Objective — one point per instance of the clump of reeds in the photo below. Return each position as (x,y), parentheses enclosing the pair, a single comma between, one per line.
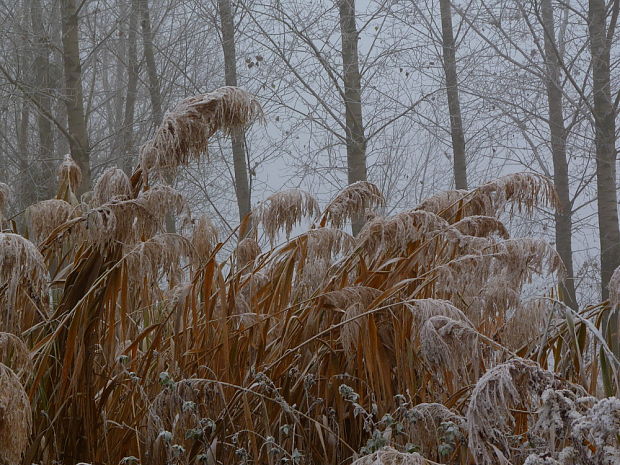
(400,346)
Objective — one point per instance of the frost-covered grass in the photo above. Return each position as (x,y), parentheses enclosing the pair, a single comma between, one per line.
(412,343)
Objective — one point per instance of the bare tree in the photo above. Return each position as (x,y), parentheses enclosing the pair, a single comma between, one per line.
(563,217)
(605,138)
(149,57)
(355,138)
(132,89)
(242,185)
(80,149)
(452,90)
(42,87)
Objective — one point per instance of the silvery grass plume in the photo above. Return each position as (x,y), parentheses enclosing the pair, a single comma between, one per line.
(353,301)
(516,384)
(113,184)
(326,243)
(342,298)
(247,251)
(185,131)
(69,178)
(45,216)
(447,204)
(392,235)
(204,237)
(21,267)
(390,456)
(16,417)
(161,200)
(160,255)
(522,191)
(123,222)
(352,201)
(523,324)
(15,355)
(118,223)
(493,276)
(423,309)
(283,210)
(451,346)
(481,226)
(316,250)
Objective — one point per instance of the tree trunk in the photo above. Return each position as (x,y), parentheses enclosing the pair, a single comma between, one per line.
(242,185)
(132,87)
(42,94)
(76,119)
(452,89)
(605,142)
(25,192)
(563,217)
(355,138)
(149,57)
(154,85)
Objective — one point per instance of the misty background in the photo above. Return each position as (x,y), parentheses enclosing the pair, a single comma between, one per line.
(351,90)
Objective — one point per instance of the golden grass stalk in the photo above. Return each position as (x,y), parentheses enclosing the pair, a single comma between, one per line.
(264,340)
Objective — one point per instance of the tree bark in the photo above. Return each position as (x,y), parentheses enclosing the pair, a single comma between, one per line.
(355,138)
(154,85)
(79,146)
(563,217)
(43,86)
(242,185)
(132,87)
(26,192)
(149,57)
(452,89)
(605,128)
